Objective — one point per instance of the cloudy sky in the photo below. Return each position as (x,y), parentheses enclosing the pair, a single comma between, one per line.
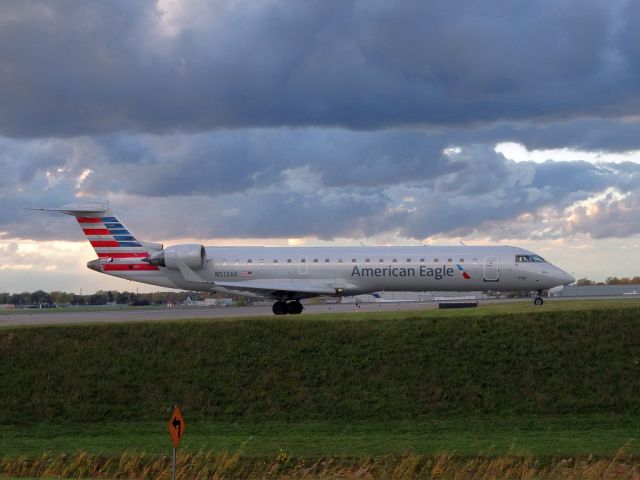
(320,122)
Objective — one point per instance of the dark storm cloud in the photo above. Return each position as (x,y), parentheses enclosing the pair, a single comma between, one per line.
(589,134)
(367,118)
(279,183)
(82,67)
(227,162)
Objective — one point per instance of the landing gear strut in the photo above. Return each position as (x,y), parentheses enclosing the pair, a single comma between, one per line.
(282,308)
(538,300)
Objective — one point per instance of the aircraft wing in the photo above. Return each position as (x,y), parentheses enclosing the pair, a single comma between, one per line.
(291,289)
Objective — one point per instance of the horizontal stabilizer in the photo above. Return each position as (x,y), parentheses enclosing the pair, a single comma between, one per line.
(78,209)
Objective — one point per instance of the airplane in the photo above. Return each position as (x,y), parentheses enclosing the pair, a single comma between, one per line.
(287,275)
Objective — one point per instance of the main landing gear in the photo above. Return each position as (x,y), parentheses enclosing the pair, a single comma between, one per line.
(538,300)
(282,308)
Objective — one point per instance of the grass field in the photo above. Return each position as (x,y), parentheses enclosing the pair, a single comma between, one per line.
(504,381)
(538,436)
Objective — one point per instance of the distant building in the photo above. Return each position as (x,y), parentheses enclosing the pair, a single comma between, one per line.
(596,291)
(209,302)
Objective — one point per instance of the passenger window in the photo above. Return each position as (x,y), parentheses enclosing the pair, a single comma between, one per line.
(353,260)
(366,260)
(340,260)
(275,260)
(435,260)
(262,261)
(475,260)
(422,260)
(303,260)
(326,260)
(288,260)
(449,260)
(315,260)
(461,260)
(395,260)
(408,260)
(249,261)
(381,260)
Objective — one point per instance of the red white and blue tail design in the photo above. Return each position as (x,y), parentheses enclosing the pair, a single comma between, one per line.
(117,248)
(119,252)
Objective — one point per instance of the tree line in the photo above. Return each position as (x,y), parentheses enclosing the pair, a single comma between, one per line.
(610,281)
(101,297)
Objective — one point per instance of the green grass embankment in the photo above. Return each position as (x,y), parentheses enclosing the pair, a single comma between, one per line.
(543,381)
(301,369)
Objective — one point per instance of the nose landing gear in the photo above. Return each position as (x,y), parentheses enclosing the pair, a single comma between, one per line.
(538,300)
(282,308)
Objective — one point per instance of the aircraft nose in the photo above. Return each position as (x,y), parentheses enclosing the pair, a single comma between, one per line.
(566,278)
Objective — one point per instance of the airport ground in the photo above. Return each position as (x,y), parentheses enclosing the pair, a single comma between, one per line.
(124,313)
(399,392)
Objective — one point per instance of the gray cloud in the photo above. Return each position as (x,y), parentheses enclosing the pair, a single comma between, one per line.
(324,118)
(261,183)
(85,67)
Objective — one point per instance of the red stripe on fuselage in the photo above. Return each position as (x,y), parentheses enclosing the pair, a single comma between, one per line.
(104,243)
(124,255)
(121,267)
(96,231)
(88,220)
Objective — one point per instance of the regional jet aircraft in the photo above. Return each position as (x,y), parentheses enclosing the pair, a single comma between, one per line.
(289,274)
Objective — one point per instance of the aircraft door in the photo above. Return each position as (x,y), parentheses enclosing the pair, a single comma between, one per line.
(302,265)
(491,273)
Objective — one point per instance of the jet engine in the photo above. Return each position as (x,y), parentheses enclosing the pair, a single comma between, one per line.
(192,255)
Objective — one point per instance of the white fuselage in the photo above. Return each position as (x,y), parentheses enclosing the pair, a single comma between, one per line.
(357,270)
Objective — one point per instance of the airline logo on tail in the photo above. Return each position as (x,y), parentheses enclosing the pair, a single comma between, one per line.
(112,240)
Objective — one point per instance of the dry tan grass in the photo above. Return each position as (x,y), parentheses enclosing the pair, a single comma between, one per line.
(223,465)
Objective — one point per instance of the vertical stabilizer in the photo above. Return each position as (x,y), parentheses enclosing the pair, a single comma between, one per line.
(118,249)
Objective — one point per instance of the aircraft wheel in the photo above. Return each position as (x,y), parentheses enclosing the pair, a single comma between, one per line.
(538,301)
(280,308)
(295,307)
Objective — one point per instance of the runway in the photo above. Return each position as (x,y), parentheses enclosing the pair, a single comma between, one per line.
(118,314)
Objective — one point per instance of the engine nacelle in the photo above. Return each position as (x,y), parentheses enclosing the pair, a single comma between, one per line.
(192,255)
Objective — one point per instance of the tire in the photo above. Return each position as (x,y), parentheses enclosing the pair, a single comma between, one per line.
(295,307)
(538,301)
(280,308)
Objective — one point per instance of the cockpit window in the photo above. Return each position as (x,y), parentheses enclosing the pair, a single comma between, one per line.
(529,258)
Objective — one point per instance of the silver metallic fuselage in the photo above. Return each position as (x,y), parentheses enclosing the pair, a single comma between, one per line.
(357,270)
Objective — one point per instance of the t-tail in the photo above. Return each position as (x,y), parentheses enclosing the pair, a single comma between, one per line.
(119,251)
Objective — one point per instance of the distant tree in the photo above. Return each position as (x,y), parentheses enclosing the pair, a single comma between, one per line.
(40,297)
(584,281)
(98,298)
(123,298)
(61,298)
(23,298)
(612,281)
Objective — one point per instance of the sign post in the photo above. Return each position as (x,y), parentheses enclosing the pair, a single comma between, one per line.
(176,430)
